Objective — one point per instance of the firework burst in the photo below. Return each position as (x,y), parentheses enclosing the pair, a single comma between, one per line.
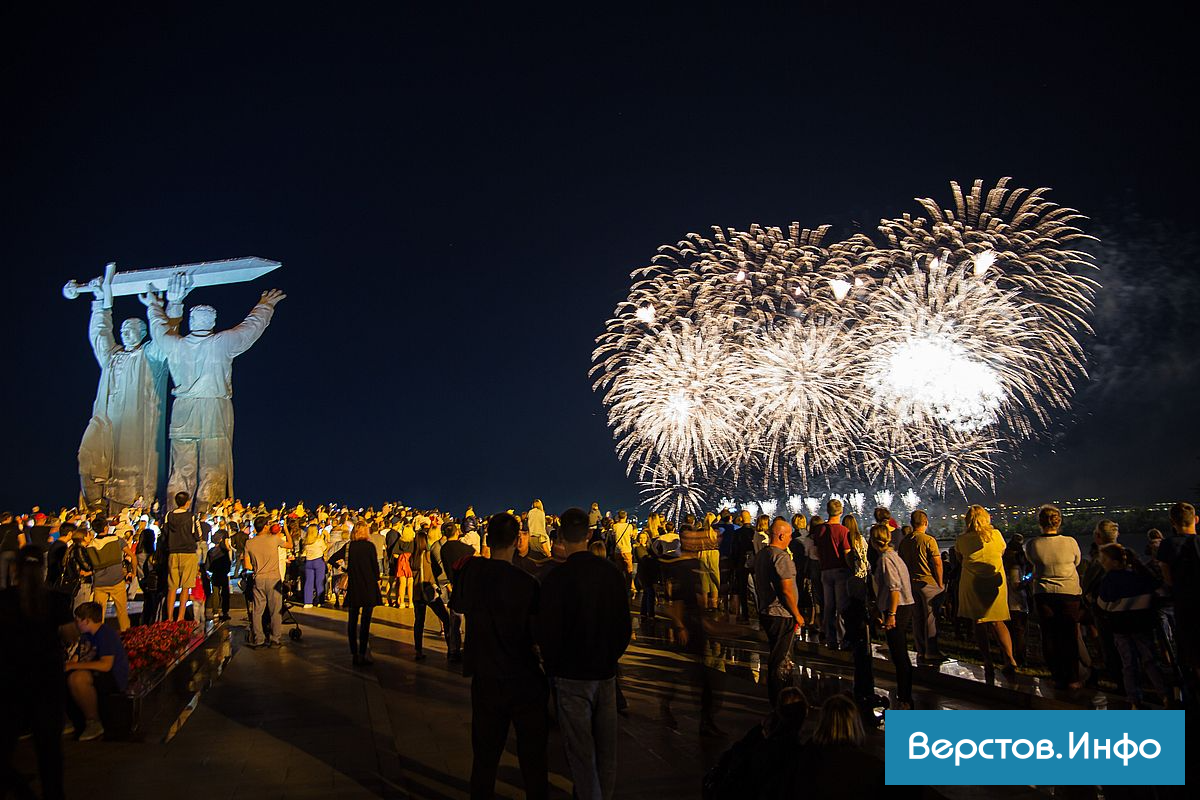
(757,361)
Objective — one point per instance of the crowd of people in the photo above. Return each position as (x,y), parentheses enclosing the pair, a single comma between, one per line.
(577,575)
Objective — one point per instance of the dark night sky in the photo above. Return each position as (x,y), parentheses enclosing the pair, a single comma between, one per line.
(458,201)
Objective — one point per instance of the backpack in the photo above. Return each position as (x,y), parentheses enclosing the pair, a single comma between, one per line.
(854,560)
(611,552)
(71,571)
(108,555)
(150,574)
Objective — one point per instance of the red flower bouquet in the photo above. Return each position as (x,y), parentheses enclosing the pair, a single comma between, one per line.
(155,647)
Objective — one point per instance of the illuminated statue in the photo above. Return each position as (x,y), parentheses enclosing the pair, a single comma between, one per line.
(124,441)
(201,366)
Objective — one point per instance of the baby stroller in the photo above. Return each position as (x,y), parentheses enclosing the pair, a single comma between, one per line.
(335,583)
(286,590)
(289,587)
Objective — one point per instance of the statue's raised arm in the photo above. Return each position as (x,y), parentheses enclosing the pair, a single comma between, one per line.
(100,330)
(242,336)
(165,323)
(100,333)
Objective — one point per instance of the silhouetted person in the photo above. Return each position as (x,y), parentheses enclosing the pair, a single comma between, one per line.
(583,629)
(34,621)
(362,592)
(508,686)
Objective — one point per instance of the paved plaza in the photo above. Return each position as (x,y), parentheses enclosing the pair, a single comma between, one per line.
(300,722)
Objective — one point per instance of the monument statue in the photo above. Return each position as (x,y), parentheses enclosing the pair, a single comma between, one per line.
(201,367)
(124,441)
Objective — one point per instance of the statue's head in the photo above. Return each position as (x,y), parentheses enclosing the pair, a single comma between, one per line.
(133,331)
(202,319)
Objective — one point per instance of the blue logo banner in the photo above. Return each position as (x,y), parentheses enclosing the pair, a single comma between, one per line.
(1035,748)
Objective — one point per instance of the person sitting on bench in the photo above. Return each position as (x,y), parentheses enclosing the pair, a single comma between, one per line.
(106,670)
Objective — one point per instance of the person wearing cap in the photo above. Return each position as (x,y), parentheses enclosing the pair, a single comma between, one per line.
(38,533)
(262,558)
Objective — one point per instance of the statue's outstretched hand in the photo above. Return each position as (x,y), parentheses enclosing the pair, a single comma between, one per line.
(106,294)
(178,287)
(271,297)
(150,300)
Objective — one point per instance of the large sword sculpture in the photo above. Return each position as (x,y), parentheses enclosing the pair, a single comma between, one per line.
(207,273)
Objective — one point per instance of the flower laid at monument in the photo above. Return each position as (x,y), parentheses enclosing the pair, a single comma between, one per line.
(153,648)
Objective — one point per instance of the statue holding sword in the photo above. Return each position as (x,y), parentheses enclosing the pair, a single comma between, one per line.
(201,366)
(124,443)
(123,446)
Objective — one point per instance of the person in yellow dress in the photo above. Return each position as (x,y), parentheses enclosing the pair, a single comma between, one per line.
(982,590)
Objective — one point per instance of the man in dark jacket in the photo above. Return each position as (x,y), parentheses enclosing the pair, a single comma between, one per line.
(453,553)
(56,555)
(742,557)
(508,687)
(583,628)
(219,561)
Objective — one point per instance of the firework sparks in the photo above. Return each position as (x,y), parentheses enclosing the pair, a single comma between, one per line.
(671,404)
(813,504)
(672,493)
(760,360)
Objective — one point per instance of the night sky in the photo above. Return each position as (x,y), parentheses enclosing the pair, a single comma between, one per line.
(458,201)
